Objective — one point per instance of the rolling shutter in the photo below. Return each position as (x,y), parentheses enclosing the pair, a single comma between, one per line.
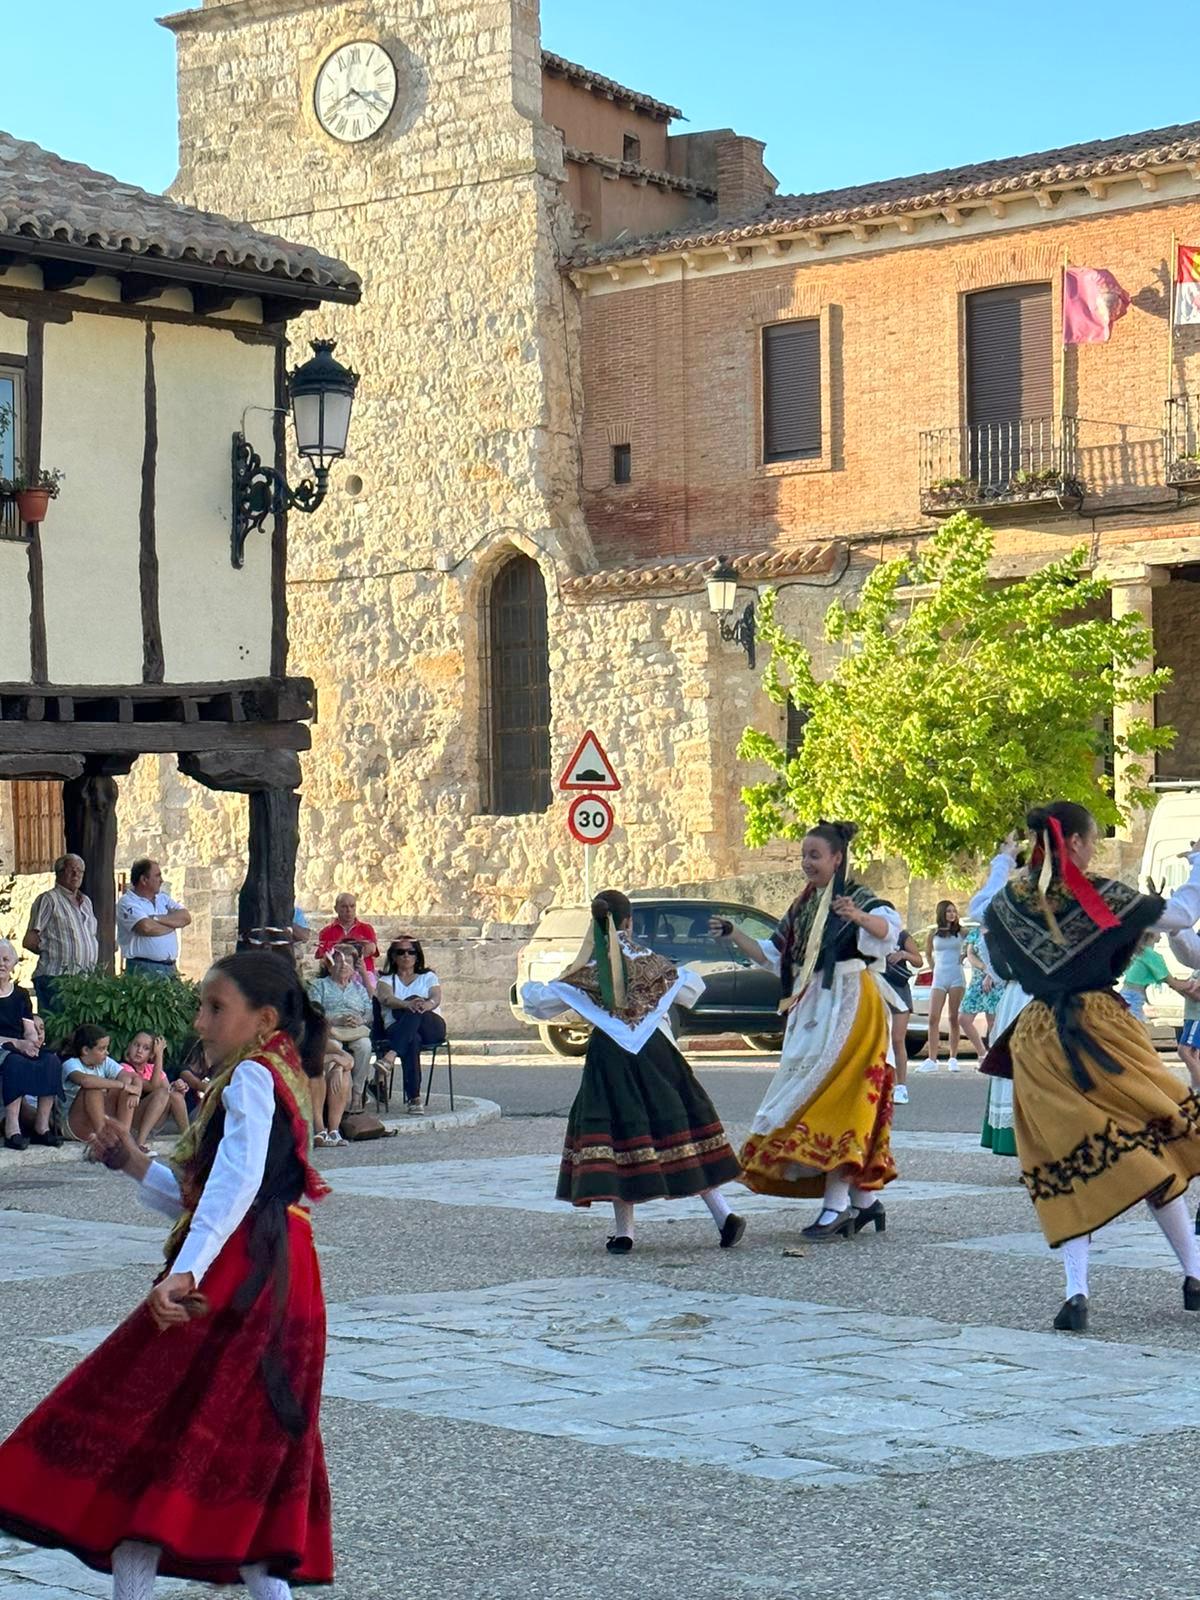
(792,390)
(37,825)
(1010,355)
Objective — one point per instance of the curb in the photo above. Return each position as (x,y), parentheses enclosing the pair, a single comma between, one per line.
(470,1111)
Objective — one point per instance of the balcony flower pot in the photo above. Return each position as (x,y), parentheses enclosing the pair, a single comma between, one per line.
(32,504)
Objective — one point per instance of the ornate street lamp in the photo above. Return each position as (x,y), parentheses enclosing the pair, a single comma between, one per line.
(322,398)
(722,585)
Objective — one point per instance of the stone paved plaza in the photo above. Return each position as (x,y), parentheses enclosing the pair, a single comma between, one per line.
(511,1412)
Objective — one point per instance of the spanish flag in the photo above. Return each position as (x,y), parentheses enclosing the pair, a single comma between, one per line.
(1187,284)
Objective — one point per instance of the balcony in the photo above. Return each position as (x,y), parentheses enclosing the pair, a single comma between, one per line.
(1181,441)
(989,466)
(11,526)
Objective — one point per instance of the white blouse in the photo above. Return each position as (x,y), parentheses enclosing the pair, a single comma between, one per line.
(876,951)
(542,1002)
(420,988)
(236,1176)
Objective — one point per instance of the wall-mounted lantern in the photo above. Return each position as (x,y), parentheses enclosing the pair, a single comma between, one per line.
(722,584)
(322,397)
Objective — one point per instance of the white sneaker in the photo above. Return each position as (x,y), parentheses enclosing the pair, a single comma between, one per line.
(952,1064)
(926,1066)
(900,1094)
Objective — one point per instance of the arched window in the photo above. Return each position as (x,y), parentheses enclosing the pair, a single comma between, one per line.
(516,675)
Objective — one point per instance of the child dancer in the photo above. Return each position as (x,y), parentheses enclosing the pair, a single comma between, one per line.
(204,1461)
(641,1127)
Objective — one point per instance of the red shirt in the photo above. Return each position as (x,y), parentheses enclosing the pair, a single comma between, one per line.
(335,934)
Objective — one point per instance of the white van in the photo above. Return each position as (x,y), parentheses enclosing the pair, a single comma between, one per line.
(1174,827)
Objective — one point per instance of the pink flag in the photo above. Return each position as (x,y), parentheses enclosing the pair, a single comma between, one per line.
(1092,301)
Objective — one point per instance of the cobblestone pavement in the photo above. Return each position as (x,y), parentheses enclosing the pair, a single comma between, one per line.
(509,1412)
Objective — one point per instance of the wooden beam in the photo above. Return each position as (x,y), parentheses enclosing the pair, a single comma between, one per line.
(65,274)
(1097,188)
(90,824)
(998,209)
(61,767)
(139,286)
(860,231)
(267,898)
(906,224)
(1046,199)
(1148,180)
(207,298)
(953,216)
(153,666)
(148,738)
(35,353)
(279,531)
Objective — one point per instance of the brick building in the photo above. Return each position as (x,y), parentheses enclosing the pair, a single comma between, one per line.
(597,354)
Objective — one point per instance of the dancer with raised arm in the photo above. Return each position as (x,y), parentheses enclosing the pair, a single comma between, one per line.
(1101,1123)
(641,1127)
(187,1444)
(823,1128)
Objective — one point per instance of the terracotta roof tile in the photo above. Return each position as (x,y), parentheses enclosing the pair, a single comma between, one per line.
(757,566)
(45,198)
(634,169)
(559,67)
(785,213)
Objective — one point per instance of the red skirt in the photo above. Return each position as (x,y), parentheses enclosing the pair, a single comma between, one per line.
(169,1438)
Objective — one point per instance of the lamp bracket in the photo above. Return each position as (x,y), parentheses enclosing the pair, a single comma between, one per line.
(742,632)
(260,492)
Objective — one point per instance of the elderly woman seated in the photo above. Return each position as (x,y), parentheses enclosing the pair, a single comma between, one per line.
(27,1069)
(347,1006)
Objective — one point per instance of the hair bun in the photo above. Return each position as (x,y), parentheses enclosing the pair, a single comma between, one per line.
(844,830)
(1037,818)
(601,910)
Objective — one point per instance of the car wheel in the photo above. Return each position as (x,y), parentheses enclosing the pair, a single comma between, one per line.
(767,1044)
(915,1043)
(570,1041)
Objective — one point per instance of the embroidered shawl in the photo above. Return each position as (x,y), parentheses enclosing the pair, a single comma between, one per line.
(647,979)
(838,938)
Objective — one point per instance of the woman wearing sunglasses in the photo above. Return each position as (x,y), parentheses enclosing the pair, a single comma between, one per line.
(410,998)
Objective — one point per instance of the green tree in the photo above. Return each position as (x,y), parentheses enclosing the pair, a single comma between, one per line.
(948,716)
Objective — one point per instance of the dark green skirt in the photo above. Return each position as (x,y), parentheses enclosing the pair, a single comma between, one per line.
(641,1128)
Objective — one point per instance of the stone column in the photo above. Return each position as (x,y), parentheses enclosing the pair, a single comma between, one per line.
(90,824)
(1132,588)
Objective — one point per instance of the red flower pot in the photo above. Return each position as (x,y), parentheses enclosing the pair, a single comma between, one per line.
(32,504)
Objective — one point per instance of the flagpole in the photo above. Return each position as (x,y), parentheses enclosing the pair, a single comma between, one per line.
(1172,273)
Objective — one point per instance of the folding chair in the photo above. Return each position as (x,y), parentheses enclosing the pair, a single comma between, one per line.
(433,1055)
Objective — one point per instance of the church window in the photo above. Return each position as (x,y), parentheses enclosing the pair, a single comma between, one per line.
(516,680)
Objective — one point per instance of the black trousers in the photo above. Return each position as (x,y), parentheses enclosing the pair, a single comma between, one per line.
(407,1033)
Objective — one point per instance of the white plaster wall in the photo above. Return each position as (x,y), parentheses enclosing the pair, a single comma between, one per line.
(216,619)
(93,426)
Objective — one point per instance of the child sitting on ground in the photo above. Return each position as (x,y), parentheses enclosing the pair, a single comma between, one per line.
(144,1057)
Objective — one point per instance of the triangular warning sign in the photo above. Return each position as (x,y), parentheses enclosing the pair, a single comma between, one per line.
(589,767)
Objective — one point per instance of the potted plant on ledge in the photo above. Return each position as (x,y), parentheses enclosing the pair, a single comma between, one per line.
(33,491)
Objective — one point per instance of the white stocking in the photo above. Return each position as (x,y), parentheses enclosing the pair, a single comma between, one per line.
(1174,1221)
(262,1586)
(862,1199)
(133,1568)
(717,1204)
(623,1212)
(1075,1260)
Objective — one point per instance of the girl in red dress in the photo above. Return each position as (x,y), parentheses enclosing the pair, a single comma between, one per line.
(188,1443)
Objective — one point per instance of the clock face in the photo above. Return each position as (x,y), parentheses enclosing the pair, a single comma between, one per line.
(355,91)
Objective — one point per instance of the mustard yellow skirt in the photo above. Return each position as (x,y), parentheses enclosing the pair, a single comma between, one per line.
(844,1122)
(1088,1155)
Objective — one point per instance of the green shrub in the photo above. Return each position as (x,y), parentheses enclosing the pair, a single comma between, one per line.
(125,1005)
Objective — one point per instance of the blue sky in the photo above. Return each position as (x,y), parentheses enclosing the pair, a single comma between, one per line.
(841,93)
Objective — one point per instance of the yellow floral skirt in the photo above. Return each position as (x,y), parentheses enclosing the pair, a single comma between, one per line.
(843,1116)
(1088,1155)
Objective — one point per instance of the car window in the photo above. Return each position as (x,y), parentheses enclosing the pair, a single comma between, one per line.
(752,923)
(680,935)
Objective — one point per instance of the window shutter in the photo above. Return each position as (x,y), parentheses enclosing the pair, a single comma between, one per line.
(791,390)
(1010,355)
(518,668)
(37,825)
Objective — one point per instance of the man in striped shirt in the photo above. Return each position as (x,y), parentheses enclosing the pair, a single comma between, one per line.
(62,930)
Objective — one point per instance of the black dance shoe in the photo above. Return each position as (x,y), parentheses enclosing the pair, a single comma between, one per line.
(48,1138)
(732,1230)
(15,1141)
(843,1224)
(1072,1316)
(871,1214)
(618,1245)
(1191,1294)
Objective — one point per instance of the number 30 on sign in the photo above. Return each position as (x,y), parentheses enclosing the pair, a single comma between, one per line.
(590,819)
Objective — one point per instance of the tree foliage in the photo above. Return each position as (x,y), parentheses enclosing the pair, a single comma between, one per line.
(127,1004)
(948,715)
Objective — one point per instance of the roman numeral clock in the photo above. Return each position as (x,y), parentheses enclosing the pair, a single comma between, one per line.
(355,91)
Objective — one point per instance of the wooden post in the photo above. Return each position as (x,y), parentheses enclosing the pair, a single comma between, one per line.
(90,824)
(268,896)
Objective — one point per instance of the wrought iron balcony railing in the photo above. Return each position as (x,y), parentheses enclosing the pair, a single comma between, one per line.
(1026,463)
(1181,441)
(11,526)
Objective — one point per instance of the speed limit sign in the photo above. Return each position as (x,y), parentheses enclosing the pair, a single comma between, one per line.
(590,818)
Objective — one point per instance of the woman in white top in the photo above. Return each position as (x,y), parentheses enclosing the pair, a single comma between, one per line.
(944,953)
(410,998)
(222,1362)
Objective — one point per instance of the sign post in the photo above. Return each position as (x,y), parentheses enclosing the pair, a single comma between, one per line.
(590,818)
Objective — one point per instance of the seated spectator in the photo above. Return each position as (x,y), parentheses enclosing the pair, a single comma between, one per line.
(347,1008)
(410,997)
(26,1066)
(346,927)
(144,1055)
(190,1081)
(94,1085)
(331,1096)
